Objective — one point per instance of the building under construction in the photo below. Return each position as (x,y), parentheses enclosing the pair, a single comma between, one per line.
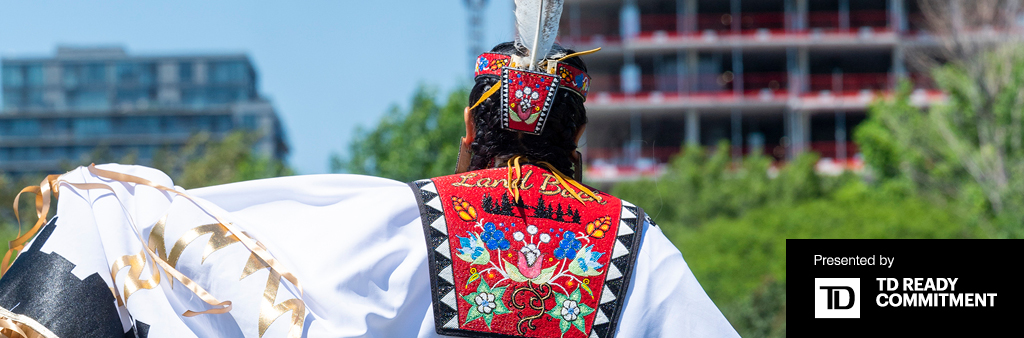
(773,76)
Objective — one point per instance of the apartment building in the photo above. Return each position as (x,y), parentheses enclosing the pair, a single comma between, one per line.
(58,109)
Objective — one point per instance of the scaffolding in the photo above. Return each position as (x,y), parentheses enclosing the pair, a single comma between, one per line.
(777,77)
(475,8)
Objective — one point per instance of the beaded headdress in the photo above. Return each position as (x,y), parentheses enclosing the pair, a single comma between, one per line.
(528,84)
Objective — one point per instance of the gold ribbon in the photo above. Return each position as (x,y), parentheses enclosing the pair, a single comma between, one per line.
(488,93)
(199,291)
(249,243)
(13,329)
(595,50)
(513,186)
(562,179)
(42,210)
(566,182)
(10,328)
(13,325)
(42,193)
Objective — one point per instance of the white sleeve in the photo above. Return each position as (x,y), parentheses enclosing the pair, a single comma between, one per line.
(665,299)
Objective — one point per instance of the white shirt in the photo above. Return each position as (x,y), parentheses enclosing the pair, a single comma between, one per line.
(355,243)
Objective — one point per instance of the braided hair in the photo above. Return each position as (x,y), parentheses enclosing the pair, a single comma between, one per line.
(557,142)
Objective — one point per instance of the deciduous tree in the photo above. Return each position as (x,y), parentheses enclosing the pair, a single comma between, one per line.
(419,142)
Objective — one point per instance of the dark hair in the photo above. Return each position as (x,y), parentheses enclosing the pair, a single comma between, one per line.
(556,143)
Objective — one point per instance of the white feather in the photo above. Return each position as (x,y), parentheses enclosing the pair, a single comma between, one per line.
(537,27)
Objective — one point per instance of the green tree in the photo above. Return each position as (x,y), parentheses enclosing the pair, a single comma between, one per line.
(741,261)
(968,150)
(205,161)
(731,221)
(412,144)
(699,186)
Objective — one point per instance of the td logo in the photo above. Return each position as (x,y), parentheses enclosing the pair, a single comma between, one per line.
(837,298)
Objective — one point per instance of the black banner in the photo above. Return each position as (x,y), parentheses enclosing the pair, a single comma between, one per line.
(903,287)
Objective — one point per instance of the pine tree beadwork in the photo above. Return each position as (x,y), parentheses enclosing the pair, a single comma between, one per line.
(526,269)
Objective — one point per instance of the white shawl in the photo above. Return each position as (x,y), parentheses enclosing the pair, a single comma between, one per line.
(354,243)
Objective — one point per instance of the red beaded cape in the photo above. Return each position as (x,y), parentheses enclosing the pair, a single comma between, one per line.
(548,265)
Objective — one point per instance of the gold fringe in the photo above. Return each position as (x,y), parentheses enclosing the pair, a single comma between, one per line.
(566,182)
(564,179)
(42,193)
(488,93)
(13,325)
(595,50)
(50,184)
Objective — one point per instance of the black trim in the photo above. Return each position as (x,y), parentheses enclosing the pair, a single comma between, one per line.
(139,330)
(434,238)
(626,264)
(440,287)
(41,286)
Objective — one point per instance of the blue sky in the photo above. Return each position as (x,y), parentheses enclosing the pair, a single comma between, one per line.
(328,66)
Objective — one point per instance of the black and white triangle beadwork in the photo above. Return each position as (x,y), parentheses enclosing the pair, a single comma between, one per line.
(616,284)
(442,282)
(613,293)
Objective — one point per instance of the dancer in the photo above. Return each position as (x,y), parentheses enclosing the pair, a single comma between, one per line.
(511,245)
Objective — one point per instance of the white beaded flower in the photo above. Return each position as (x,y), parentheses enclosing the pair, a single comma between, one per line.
(527,93)
(570,310)
(526,97)
(485,302)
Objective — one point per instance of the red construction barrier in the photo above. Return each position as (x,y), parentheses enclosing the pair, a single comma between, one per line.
(850,81)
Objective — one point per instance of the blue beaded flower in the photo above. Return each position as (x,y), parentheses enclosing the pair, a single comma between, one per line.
(568,246)
(494,238)
(471,248)
(481,64)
